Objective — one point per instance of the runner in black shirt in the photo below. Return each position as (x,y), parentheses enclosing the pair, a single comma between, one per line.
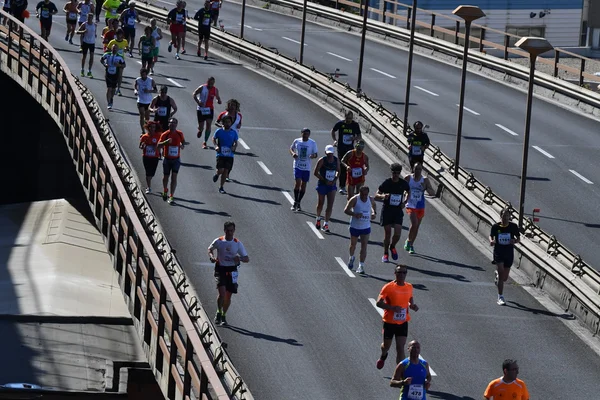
(418,142)
(348,131)
(203,16)
(503,237)
(163,107)
(45,10)
(393,192)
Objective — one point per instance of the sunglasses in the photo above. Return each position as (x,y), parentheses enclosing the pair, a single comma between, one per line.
(402,272)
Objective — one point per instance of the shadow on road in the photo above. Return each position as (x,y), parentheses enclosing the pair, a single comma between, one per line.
(263,336)
(448,262)
(539,311)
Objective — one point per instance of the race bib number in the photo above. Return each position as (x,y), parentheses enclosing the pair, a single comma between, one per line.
(179,17)
(131,21)
(504,238)
(226,151)
(111,69)
(330,175)
(234,277)
(301,164)
(145,49)
(72,15)
(416,150)
(416,392)
(347,139)
(113,10)
(395,199)
(150,151)
(45,13)
(416,195)
(173,151)
(357,172)
(366,216)
(205,110)
(206,21)
(162,111)
(400,316)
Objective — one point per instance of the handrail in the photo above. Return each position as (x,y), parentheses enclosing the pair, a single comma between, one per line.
(538,247)
(176,334)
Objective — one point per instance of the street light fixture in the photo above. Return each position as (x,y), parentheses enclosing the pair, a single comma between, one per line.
(468,14)
(534,46)
(411,45)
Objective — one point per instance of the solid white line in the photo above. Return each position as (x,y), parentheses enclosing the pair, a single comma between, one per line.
(426,91)
(264,167)
(383,73)
(380,311)
(583,178)
(505,129)
(288,197)
(138,61)
(345,267)
(248,26)
(174,82)
(338,56)
(257,29)
(314,229)
(244,145)
(469,110)
(291,40)
(544,152)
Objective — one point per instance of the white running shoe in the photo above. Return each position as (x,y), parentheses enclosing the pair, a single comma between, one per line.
(360,269)
(501,301)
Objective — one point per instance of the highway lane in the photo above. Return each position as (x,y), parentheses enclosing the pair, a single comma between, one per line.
(309,326)
(561,165)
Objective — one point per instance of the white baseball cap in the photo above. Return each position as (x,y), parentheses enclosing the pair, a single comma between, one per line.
(329,149)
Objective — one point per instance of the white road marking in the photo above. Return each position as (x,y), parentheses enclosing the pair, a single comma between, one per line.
(383,73)
(426,91)
(338,56)
(268,128)
(257,29)
(264,167)
(544,152)
(380,311)
(505,129)
(288,197)
(469,110)
(345,267)
(314,229)
(291,40)
(244,145)
(174,82)
(248,26)
(583,178)
(138,61)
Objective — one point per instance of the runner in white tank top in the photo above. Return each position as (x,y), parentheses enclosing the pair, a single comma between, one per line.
(87,33)
(415,206)
(362,209)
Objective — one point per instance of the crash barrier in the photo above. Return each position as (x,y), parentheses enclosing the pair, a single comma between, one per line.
(182,346)
(550,265)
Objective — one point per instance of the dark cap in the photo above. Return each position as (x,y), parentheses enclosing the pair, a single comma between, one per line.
(305,130)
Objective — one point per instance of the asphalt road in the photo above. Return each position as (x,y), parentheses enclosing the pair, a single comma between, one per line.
(301,327)
(563,173)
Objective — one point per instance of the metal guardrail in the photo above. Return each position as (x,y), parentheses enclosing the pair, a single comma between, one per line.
(181,345)
(540,248)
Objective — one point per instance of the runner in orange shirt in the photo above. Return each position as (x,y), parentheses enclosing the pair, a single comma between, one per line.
(508,386)
(173,142)
(150,153)
(396,298)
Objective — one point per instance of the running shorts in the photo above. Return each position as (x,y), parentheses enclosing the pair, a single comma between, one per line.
(504,257)
(359,232)
(203,34)
(111,80)
(144,106)
(150,165)
(171,165)
(176,29)
(419,212)
(392,330)
(301,174)
(226,279)
(225,163)
(85,47)
(202,117)
(325,189)
(390,216)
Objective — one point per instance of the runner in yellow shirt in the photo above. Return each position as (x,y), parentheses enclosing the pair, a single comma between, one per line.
(122,47)
(111,7)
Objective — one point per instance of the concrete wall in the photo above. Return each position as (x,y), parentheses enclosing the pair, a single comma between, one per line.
(35,163)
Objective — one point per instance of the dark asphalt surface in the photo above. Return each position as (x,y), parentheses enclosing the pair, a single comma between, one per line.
(301,328)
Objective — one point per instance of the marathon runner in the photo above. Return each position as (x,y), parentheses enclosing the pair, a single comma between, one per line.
(215,7)
(327,171)
(508,386)
(157,35)
(18,7)
(233,110)
(204,97)
(415,206)
(44,11)
(418,142)
(111,8)
(71,12)
(7,9)
(98,9)
(230,252)
(187,16)
(143,88)
(150,153)
(356,164)
(503,236)
(113,62)
(302,150)
(392,192)
(87,31)
(226,140)
(203,16)
(128,19)
(108,33)
(84,8)
(122,46)
(412,375)
(347,132)
(173,142)
(176,19)
(362,209)
(146,48)
(163,107)
(396,298)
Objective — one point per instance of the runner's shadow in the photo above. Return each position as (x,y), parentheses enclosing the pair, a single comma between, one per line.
(448,262)
(257,186)
(348,238)
(202,210)
(189,165)
(119,111)
(457,277)
(237,196)
(446,396)
(189,201)
(263,336)
(538,311)
(245,154)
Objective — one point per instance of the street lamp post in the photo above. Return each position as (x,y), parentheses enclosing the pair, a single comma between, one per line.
(534,46)
(303,32)
(362,46)
(468,14)
(243,18)
(411,45)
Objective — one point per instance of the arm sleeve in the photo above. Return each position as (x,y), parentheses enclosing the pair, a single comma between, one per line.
(337,126)
(383,293)
(213,245)
(242,250)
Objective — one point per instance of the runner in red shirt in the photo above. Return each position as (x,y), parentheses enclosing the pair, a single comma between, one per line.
(204,96)
(150,153)
(172,141)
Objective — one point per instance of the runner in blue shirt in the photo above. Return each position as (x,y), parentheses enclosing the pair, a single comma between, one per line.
(412,375)
(226,140)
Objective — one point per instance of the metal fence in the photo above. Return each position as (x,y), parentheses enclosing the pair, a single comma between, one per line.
(181,345)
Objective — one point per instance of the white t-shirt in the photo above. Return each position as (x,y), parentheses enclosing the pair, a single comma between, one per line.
(304,151)
(89,36)
(227,250)
(144,98)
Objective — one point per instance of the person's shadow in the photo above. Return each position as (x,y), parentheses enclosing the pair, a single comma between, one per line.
(432,394)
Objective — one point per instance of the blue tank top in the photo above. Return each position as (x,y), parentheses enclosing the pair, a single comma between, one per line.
(327,170)
(418,373)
